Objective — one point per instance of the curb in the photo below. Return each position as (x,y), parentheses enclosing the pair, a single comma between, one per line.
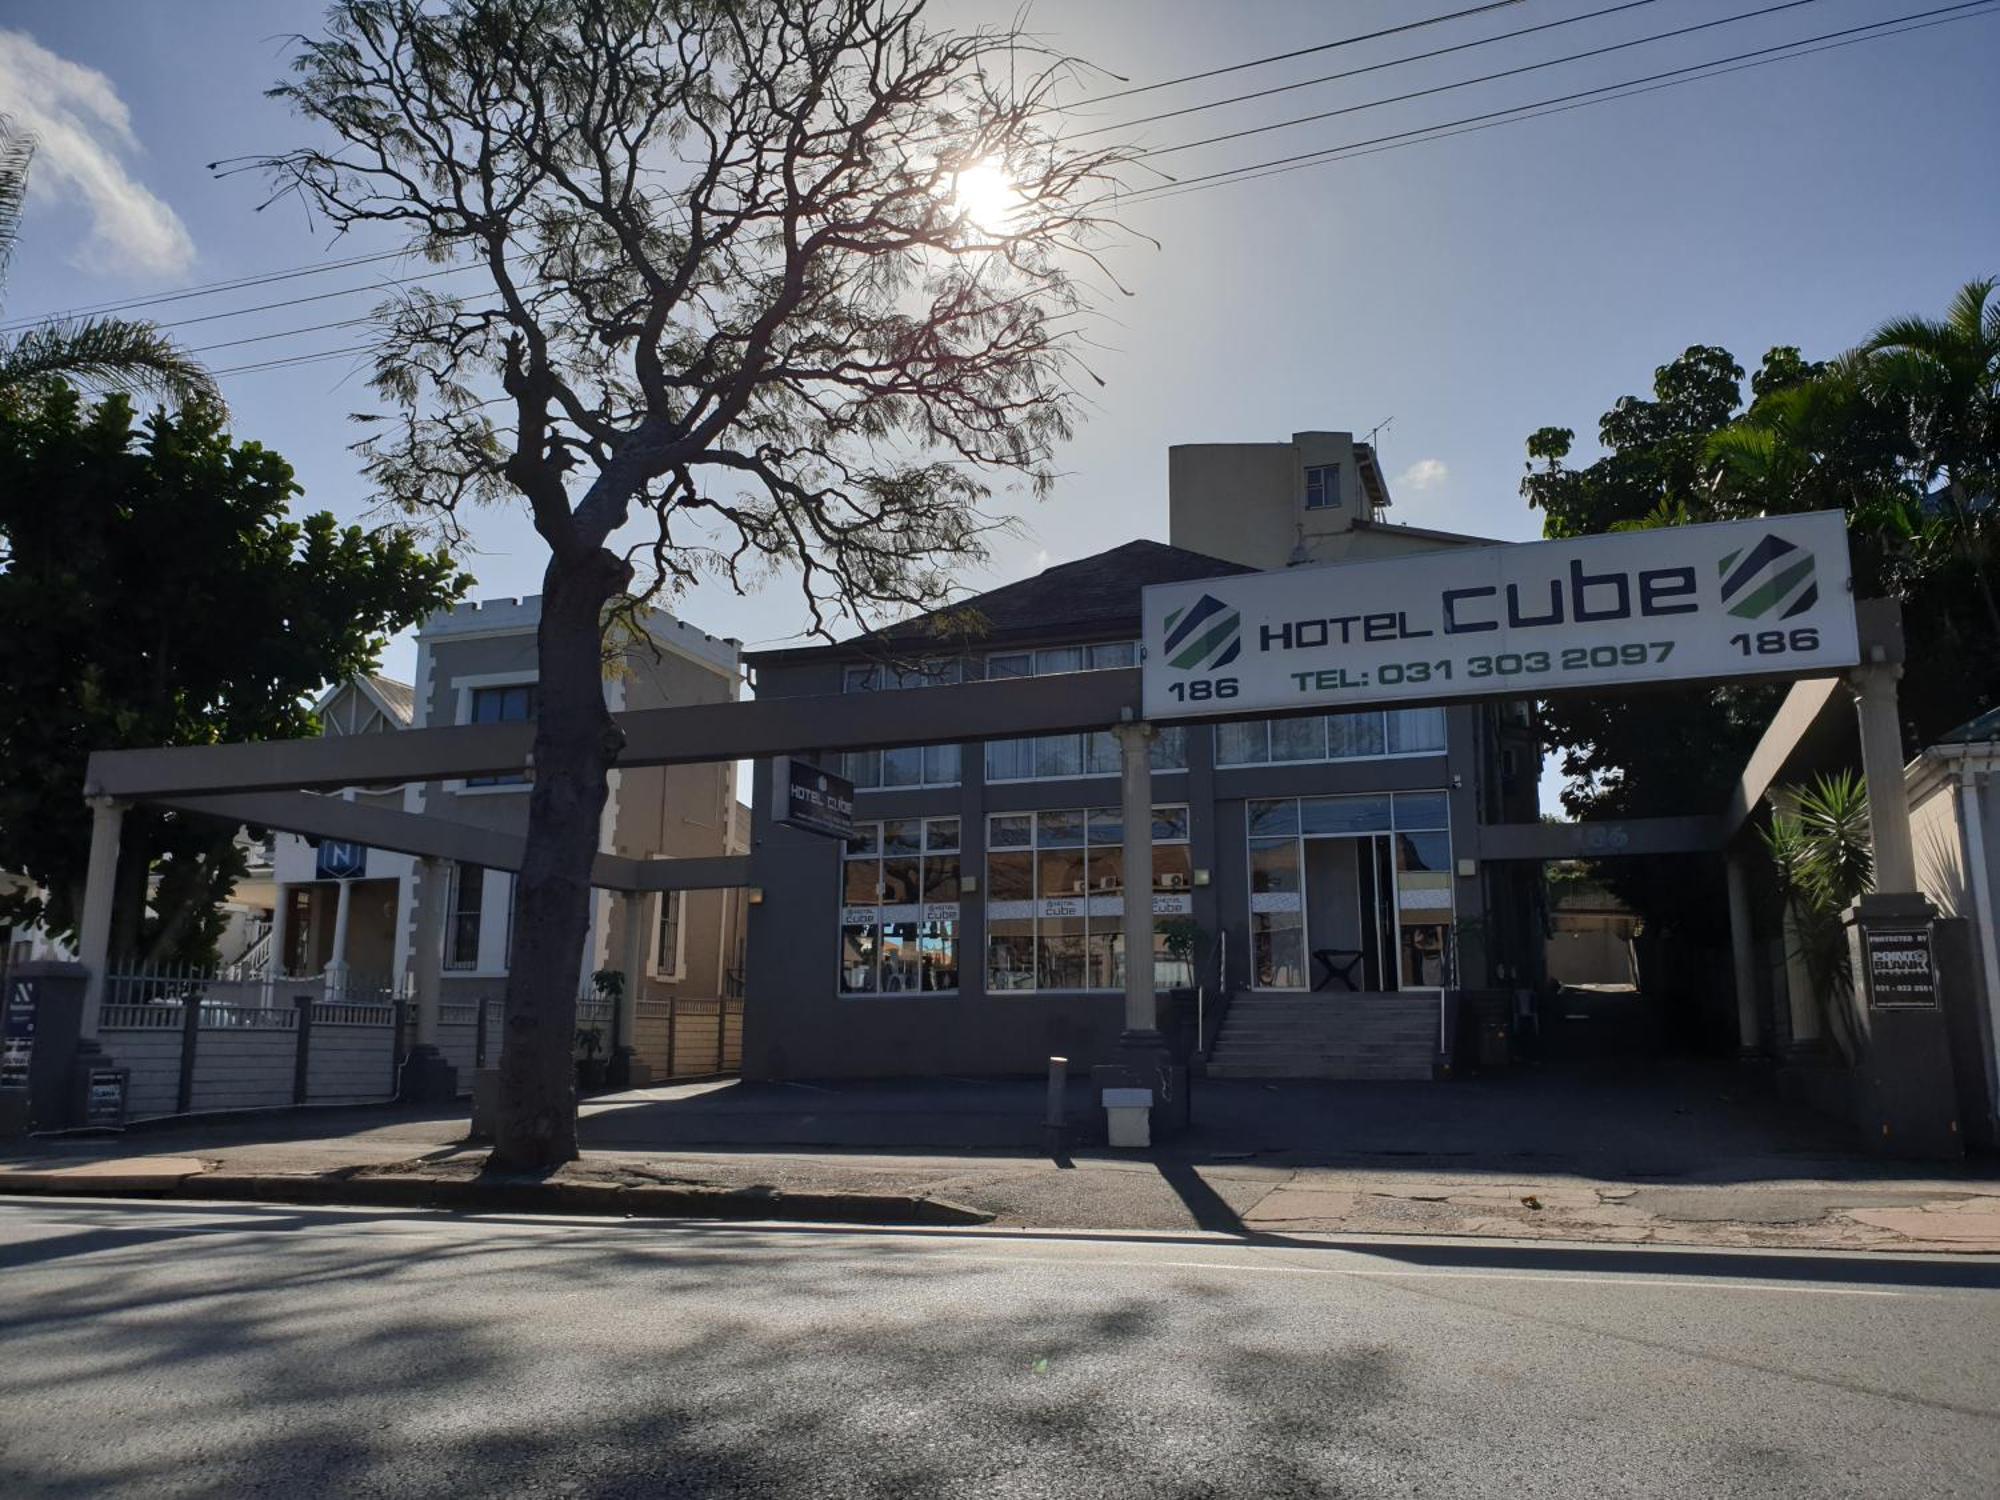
(504,1195)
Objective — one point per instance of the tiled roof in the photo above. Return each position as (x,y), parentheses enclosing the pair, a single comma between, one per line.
(1094,597)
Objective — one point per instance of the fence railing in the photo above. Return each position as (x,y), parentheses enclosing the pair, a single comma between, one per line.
(197,1040)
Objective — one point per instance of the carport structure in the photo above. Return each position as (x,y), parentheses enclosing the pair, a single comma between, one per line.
(281,785)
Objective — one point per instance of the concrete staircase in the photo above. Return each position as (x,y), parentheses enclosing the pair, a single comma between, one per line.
(1327,1034)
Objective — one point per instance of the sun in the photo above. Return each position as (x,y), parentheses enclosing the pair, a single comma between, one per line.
(986,195)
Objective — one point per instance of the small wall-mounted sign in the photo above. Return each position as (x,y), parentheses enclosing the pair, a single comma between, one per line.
(17,1035)
(336,859)
(811,799)
(1900,973)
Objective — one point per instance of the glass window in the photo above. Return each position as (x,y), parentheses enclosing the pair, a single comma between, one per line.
(858,950)
(1059,829)
(1274,866)
(1010,831)
(1116,654)
(1350,735)
(902,880)
(937,954)
(900,974)
(513,703)
(1170,748)
(940,878)
(863,883)
(860,679)
(1242,744)
(1322,486)
(1270,818)
(940,765)
(941,834)
(1053,659)
(1059,755)
(1102,754)
(862,767)
(1414,730)
(1423,851)
(867,838)
(1010,760)
(1278,950)
(1298,739)
(885,874)
(1010,664)
(1422,810)
(1046,919)
(1339,815)
(903,767)
(667,937)
(468,894)
(902,836)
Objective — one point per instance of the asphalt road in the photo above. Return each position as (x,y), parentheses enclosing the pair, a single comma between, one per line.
(160,1350)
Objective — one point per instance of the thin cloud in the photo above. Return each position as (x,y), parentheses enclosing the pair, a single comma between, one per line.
(1424,474)
(81,128)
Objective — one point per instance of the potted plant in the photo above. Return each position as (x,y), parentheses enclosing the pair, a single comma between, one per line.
(591,1067)
(1177,937)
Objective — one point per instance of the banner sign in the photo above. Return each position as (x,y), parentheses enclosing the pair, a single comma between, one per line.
(1900,973)
(1733,599)
(814,800)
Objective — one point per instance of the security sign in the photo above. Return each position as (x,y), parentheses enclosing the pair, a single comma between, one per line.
(1764,598)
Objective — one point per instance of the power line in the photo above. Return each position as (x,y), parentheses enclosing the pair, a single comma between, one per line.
(208,289)
(1515,72)
(1561,104)
(1259,62)
(1394,62)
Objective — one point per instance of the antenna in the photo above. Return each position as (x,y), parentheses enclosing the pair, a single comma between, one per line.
(1381,426)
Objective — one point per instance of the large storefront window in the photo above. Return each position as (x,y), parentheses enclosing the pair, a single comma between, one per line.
(1055,904)
(1355,885)
(899,907)
(1397,731)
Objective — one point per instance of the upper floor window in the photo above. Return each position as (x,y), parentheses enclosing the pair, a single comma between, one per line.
(1322,486)
(1396,731)
(468,897)
(508,703)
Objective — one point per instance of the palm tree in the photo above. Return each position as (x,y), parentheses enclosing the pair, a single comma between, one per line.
(112,354)
(1945,377)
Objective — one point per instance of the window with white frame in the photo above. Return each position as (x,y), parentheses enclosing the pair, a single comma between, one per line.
(1055,903)
(503,703)
(468,896)
(669,951)
(1322,486)
(899,907)
(1362,736)
(1050,756)
(927,765)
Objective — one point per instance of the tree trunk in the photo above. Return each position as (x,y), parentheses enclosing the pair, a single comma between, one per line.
(575,744)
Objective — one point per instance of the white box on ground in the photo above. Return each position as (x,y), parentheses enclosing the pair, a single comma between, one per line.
(1129,1114)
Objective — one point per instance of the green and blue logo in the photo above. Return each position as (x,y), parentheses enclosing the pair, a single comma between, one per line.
(1206,635)
(1774,579)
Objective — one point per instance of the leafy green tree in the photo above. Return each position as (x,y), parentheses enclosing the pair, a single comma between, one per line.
(153,591)
(113,354)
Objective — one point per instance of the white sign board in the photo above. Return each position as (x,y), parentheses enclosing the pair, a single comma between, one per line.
(1732,599)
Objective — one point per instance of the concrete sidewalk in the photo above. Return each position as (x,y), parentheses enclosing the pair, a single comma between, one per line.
(1674,1158)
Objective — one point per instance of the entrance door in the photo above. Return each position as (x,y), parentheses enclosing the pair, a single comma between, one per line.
(1350,901)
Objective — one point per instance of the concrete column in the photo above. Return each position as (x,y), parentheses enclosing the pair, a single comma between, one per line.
(634,963)
(281,911)
(107,823)
(427,946)
(1743,955)
(1141,1008)
(336,969)
(1882,766)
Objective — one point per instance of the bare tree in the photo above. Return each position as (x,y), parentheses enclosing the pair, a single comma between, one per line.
(786,279)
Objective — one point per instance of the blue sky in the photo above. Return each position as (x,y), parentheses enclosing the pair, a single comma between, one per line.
(1471,289)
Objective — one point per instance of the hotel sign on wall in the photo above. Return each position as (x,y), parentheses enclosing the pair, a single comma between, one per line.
(1734,599)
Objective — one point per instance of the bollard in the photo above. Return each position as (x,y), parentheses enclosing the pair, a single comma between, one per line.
(1055,1126)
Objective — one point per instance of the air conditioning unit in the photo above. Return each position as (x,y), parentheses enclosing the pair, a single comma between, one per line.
(1174,880)
(1107,882)
(1076,887)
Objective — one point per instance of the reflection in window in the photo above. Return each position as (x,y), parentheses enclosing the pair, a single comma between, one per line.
(1401,731)
(899,907)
